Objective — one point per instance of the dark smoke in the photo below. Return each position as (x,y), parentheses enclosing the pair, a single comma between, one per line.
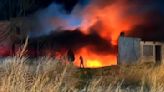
(74,40)
(102,3)
(152,29)
(67,4)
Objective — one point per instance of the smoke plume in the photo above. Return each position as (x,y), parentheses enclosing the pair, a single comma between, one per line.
(99,24)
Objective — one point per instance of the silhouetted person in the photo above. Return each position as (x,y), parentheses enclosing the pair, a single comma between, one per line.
(81,62)
(70,55)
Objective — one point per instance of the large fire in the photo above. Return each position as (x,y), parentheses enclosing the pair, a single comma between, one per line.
(109,22)
(92,60)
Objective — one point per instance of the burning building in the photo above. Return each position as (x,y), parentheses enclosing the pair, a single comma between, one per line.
(91,47)
(90,28)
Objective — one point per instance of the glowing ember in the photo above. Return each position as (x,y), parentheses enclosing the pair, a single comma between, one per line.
(4,51)
(93,63)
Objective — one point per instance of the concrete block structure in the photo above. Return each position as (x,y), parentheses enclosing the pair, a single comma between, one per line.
(135,50)
(152,51)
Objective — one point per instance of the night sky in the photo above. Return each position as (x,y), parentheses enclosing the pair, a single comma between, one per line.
(152,12)
(156,5)
(7,6)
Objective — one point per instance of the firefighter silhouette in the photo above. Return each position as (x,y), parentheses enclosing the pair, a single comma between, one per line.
(81,62)
(70,55)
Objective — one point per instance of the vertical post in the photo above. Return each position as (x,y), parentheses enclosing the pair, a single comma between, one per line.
(141,51)
(122,34)
(162,54)
(37,48)
(154,54)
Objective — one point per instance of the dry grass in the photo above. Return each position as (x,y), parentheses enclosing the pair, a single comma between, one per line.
(49,75)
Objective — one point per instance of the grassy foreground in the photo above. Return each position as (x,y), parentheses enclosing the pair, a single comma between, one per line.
(49,75)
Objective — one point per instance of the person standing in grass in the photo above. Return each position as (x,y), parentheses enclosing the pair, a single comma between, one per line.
(70,55)
(81,62)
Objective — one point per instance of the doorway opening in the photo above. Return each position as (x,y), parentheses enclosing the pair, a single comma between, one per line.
(158,54)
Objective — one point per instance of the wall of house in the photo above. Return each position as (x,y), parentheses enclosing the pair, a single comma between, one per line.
(162,53)
(128,50)
(148,51)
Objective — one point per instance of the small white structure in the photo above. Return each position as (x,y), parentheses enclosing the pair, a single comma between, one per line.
(134,50)
(152,51)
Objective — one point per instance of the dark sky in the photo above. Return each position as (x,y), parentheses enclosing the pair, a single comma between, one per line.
(153,26)
(11,8)
(5,5)
(154,16)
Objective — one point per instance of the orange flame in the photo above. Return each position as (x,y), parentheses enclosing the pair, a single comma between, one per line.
(113,20)
(92,60)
